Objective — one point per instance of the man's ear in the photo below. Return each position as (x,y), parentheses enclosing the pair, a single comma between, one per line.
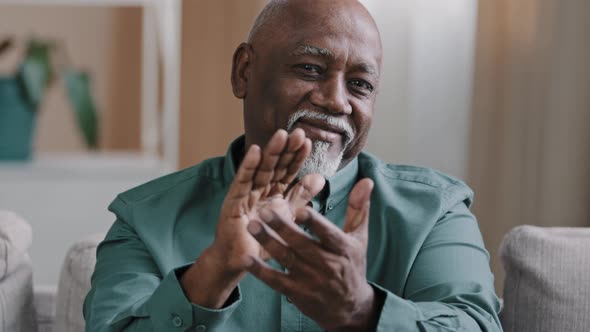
(240,70)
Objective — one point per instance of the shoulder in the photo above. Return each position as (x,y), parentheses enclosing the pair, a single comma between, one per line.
(415,181)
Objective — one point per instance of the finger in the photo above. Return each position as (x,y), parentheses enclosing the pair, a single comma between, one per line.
(275,246)
(295,142)
(309,253)
(293,236)
(297,162)
(358,205)
(276,280)
(357,213)
(305,190)
(242,183)
(278,248)
(270,156)
(329,235)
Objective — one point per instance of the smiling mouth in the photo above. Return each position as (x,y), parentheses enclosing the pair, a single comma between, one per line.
(319,130)
(322,127)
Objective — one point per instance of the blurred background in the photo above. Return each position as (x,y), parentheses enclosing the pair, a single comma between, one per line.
(496,93)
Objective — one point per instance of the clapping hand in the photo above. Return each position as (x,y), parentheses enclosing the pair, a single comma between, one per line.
(323,273)
(263,176)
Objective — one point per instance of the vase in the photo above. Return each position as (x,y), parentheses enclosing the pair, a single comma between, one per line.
(17,120)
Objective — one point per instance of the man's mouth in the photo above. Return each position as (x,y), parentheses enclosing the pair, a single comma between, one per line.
(320,130)
(321,127)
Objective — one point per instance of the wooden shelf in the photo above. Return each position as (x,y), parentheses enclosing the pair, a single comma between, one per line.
(161,40)
(101,3)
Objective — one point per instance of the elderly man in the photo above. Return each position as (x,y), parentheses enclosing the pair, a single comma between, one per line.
(308,233)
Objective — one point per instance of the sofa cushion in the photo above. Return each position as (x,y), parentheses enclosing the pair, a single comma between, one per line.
(547,286)
(74,284)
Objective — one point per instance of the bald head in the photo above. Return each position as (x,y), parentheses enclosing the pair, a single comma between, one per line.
(314,65)
(266,19)
(281,17)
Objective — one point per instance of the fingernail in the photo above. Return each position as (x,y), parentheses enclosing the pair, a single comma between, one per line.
(266,215)
(254,228)
(249,261)
(252,147)
(302,214)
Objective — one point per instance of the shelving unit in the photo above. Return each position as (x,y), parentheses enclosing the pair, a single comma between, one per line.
(65,196)
(161,37)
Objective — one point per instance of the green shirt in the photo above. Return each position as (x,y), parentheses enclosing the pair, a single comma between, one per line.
(425,254)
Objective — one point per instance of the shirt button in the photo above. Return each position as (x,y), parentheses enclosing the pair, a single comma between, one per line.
(330,206)
(289,300)
(176,321)
(201,328)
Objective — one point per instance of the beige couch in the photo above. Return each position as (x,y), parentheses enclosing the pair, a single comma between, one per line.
(23,309)
(17,311)
(547,287)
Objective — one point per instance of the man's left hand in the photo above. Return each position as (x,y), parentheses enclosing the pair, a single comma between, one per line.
(324,277)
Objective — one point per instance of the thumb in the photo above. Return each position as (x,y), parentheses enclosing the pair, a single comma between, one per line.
(357,213)
(305,190)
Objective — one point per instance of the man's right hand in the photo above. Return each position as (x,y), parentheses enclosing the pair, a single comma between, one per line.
(262,176)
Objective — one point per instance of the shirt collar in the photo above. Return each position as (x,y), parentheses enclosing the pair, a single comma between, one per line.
(233,158)
(337,186)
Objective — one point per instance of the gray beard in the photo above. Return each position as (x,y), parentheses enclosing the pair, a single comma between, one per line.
(318,161)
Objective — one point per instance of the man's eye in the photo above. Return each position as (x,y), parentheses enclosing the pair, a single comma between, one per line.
(310,69)
(361,84)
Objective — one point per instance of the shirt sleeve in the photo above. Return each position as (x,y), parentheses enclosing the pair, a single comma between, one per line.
(129,293)
(450,286)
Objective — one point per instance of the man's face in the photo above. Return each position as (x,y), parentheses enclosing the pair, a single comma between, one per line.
(322,76)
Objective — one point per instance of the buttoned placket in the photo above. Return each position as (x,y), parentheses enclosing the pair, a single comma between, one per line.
(291,317)
(292,320)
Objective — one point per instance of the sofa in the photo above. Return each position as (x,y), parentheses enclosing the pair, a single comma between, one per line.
(17,311)
(24,308)
(547,286)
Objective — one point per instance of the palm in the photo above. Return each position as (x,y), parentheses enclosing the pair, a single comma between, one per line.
(252,246)
(262,178)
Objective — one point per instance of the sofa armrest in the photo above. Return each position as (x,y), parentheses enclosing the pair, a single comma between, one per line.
(547,286)
(17,312)
(15,240)
(74,284)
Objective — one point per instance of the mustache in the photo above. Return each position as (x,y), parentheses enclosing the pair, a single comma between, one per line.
(339,123)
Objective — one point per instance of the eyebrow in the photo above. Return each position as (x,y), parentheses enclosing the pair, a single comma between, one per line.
(367,68)
(302,50)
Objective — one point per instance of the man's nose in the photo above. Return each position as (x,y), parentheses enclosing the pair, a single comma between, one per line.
(332,95)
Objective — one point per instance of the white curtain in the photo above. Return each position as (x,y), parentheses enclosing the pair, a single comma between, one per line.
(530,140)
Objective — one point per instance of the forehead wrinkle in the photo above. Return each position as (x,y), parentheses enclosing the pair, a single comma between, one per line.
(366,68)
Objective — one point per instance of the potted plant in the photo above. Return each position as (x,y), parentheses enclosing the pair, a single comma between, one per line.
(22,93)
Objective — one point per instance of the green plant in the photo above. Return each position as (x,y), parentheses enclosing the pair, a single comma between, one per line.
(44,61)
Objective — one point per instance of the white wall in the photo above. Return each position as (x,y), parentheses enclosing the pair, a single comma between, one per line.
(65,197)
(389,134)
(423,110)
